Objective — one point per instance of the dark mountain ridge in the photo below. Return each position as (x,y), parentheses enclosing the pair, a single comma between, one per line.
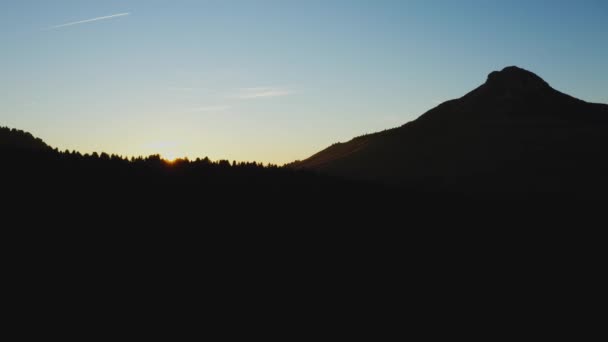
(512,134)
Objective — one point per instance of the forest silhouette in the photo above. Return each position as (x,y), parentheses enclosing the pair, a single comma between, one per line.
(31,166)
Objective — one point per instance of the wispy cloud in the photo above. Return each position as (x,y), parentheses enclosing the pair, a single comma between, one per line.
(262,92)
(88,21)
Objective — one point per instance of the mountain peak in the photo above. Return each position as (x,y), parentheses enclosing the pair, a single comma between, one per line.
(514,78)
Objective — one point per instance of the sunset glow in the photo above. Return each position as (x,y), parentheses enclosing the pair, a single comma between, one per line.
(272,81)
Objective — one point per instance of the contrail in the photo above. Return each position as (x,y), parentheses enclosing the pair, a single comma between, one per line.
(88,21)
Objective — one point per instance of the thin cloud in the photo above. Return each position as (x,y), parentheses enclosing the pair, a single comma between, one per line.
(262,92)
(89,21)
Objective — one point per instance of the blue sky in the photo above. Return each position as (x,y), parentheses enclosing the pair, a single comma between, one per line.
(272,81)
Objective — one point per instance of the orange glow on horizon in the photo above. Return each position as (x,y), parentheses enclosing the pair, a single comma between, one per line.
(169,157)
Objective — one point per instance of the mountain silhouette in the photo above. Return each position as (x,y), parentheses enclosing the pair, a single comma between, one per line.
(513,134)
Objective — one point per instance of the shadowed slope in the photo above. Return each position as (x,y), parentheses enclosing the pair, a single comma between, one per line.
(512,134)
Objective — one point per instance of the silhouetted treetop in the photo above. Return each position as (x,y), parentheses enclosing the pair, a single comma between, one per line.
(30,164)
(13,138)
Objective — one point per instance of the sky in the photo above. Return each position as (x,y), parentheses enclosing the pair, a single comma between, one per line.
(272,81)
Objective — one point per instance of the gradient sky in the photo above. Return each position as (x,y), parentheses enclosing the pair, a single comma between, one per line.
(272,81)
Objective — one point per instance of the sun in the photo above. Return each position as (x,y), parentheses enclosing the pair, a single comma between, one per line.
(169,157)
(169,151)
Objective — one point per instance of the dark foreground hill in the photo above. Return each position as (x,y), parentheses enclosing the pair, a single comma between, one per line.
(107,231)
(514,135)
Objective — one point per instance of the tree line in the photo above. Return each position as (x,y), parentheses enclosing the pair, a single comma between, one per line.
(29,163)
